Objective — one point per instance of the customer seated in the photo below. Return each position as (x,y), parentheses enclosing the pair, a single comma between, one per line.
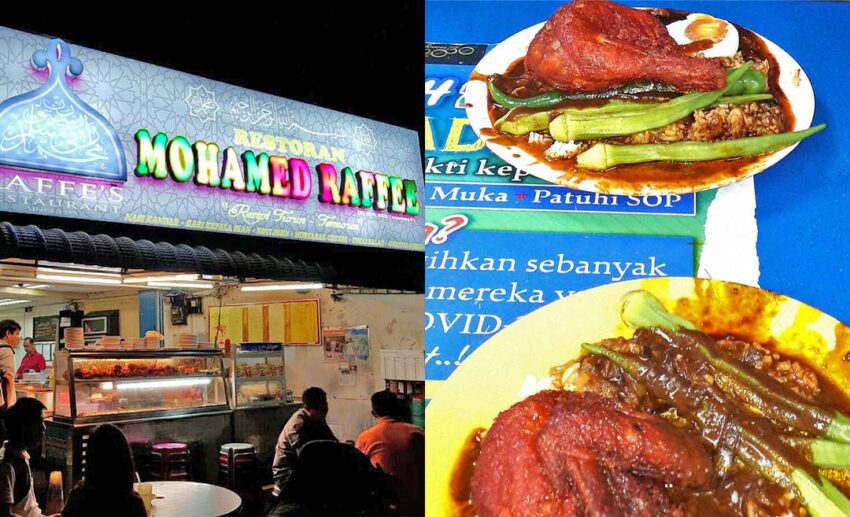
(397,448)
(332,478)
(25,430)
(110,472)
(306,425)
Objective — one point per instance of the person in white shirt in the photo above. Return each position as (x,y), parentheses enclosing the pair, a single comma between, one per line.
(10,336)
(25,428)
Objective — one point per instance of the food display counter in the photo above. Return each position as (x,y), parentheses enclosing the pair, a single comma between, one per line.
(257,375)
(257,379)
(150,395)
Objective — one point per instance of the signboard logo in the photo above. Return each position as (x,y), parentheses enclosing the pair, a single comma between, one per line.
(269,175)
(52,129)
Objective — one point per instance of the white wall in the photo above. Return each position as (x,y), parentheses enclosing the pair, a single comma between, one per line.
(394,321)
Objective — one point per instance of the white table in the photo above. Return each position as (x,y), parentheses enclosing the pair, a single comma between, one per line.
(182,498)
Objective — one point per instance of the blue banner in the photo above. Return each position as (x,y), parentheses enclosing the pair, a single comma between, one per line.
(480,282)
(549,198)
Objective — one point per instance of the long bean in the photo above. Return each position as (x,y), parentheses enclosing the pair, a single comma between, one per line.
(821,498)
(539,121)
(553,98)
(821,452)
(639,309)
(566,127)
(603,156)
(750,82)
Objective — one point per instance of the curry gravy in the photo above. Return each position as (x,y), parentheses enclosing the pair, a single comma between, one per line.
(660,176)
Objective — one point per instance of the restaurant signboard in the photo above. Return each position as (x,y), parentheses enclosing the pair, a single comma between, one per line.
(89,135)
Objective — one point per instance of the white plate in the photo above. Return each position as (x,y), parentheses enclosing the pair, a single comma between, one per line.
(798,91)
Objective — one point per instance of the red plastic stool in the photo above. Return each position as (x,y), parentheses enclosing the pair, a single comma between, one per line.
(237,465)
(170,461)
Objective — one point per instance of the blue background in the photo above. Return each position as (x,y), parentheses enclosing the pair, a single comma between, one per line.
(802,202)
(675,252)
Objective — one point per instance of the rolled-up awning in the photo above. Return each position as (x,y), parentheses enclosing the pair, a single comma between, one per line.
(32,242)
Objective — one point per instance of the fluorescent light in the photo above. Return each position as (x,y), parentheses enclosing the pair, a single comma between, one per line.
(180,284)
(55,271)
(106,386)
(164,278)
(79,279)
(12,302)
(281,287)
(34,286)
(170,383)
(85,267)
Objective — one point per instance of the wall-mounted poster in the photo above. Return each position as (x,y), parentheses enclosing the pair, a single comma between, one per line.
(333,341)
(347,374)
(357,344)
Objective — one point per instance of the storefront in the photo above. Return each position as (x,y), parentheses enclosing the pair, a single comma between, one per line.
(245,247)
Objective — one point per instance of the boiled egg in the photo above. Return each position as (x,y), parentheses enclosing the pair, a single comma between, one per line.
(722,35)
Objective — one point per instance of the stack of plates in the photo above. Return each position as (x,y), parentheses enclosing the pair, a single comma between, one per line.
(206,345)
(111,342)
(152,343)
(187,341)
(137,343)
(74,338)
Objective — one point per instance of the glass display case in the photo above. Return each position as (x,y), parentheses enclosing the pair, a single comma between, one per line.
(257,375)
(99,386)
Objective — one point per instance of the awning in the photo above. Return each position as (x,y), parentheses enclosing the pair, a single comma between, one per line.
(32,242)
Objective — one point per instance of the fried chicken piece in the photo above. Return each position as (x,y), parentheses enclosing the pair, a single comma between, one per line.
(561,453)
(591,45)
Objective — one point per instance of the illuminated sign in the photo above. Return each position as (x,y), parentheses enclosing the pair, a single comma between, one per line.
(128,142)
(50,128)
(265,175)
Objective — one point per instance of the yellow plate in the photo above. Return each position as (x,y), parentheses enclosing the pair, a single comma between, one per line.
(490,380)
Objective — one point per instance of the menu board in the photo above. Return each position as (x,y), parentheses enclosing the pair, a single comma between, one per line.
(226,324)
(45,329)
(293,322)
(301,322)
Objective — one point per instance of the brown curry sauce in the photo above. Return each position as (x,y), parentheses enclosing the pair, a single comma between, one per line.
(711,311)
(663,176)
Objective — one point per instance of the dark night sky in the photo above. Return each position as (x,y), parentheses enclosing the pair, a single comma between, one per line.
(353,57)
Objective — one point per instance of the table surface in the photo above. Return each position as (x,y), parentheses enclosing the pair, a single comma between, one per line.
(181,498)
(802,202)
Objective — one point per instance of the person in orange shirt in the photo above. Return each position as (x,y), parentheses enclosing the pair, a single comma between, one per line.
(397,448)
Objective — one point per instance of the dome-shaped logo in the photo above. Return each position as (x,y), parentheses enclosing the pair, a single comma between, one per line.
(51,129)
